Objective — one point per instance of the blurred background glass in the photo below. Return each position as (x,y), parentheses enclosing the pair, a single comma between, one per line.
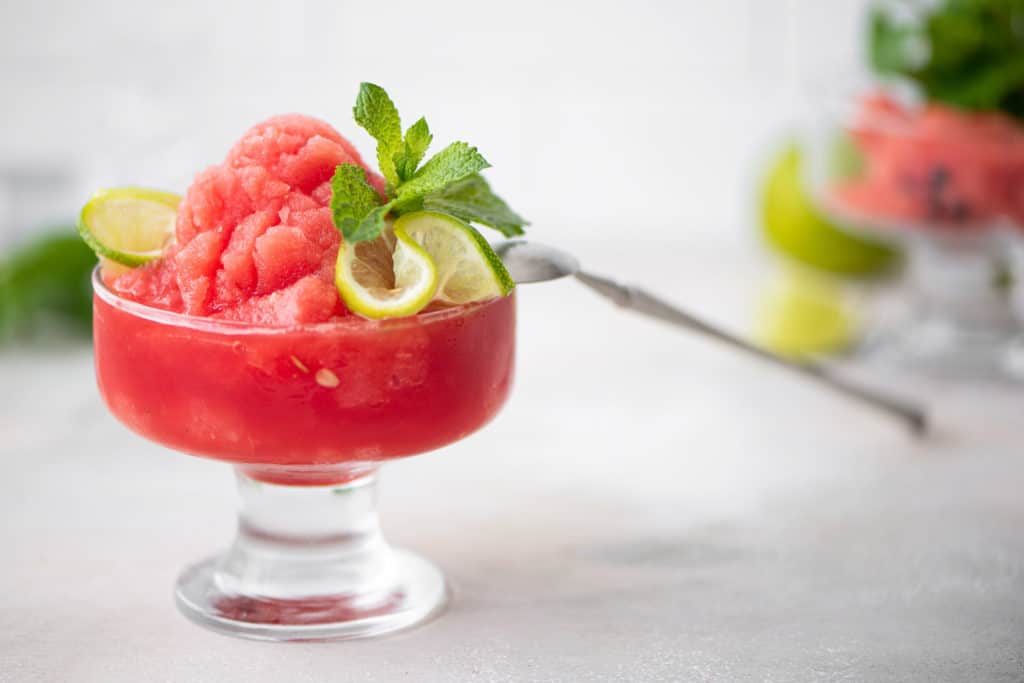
(929,155)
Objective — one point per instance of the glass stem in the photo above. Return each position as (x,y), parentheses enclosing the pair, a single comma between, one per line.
(301,542)
(959,282)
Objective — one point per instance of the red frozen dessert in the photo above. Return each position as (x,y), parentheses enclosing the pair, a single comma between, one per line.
(236,345)
(935,166)
(304,318)
(255,240)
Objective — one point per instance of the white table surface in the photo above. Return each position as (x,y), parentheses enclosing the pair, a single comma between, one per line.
(647,507)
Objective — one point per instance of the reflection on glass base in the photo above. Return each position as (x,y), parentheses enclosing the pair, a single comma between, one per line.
(309,562)
(957,318)
(418,594)
(938,348)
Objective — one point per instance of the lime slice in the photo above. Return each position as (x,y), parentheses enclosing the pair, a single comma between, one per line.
(803,313)
(388,277)
(467,267)
(129,225)
(794,226)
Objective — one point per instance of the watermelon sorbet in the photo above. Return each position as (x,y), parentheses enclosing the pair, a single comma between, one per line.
(935,166)
(255,241)
(267,367)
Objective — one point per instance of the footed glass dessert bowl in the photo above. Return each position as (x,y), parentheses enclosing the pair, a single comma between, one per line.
(938,182)
(306,414)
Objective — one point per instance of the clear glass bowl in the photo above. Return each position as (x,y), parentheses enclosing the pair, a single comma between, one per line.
(941,184)
(307,415)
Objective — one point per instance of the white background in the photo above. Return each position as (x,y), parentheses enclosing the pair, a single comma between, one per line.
(601,119)
(647,507)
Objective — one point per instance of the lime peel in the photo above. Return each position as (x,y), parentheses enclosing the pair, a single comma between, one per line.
(130,226)
(368,289)
(803,314)
(434,257)
(793,226)
(467,267)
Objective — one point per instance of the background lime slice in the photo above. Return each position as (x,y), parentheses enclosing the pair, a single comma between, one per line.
(129,225)
(803,313)
(793,226)
(467,267)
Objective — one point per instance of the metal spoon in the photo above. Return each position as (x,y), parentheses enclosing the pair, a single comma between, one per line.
(532,262)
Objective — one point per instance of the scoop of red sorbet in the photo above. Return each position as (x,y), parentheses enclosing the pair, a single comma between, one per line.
(254,239)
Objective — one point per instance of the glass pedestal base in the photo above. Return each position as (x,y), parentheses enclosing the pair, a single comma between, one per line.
(958,320)
(310,563)
(938,348)
(418,594)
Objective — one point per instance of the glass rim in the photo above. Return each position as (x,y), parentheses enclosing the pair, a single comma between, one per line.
(235,327)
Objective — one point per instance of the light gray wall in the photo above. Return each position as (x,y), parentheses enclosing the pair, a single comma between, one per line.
(599,117)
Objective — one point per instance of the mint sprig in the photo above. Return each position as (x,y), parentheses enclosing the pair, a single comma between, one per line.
(448,182)
(471,200)
(376,113)
(355,206)
(452,164)
(417,140)
(967,54)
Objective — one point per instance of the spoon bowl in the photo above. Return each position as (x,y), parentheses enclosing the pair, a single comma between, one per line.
(529,262)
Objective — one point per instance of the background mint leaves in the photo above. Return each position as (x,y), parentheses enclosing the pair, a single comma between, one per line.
(449,182)
(964,53)
(45,288)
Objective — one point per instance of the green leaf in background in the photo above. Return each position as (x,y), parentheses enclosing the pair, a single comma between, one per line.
(987,88)
(964,53)
(377,114)
(45,282)
(472,200)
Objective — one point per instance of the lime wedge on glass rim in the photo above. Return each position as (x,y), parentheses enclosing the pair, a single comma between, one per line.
(467,267)
(129,226)
(425,256)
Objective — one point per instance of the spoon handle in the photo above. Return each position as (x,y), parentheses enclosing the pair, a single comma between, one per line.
(638,300)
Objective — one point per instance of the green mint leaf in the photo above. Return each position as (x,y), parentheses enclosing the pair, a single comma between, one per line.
(472,200)
(985,89)
(414,146)
(376,113)
(891,45)
(448,182)
(453,163)
(352,198)
(370,227)
(963,53)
